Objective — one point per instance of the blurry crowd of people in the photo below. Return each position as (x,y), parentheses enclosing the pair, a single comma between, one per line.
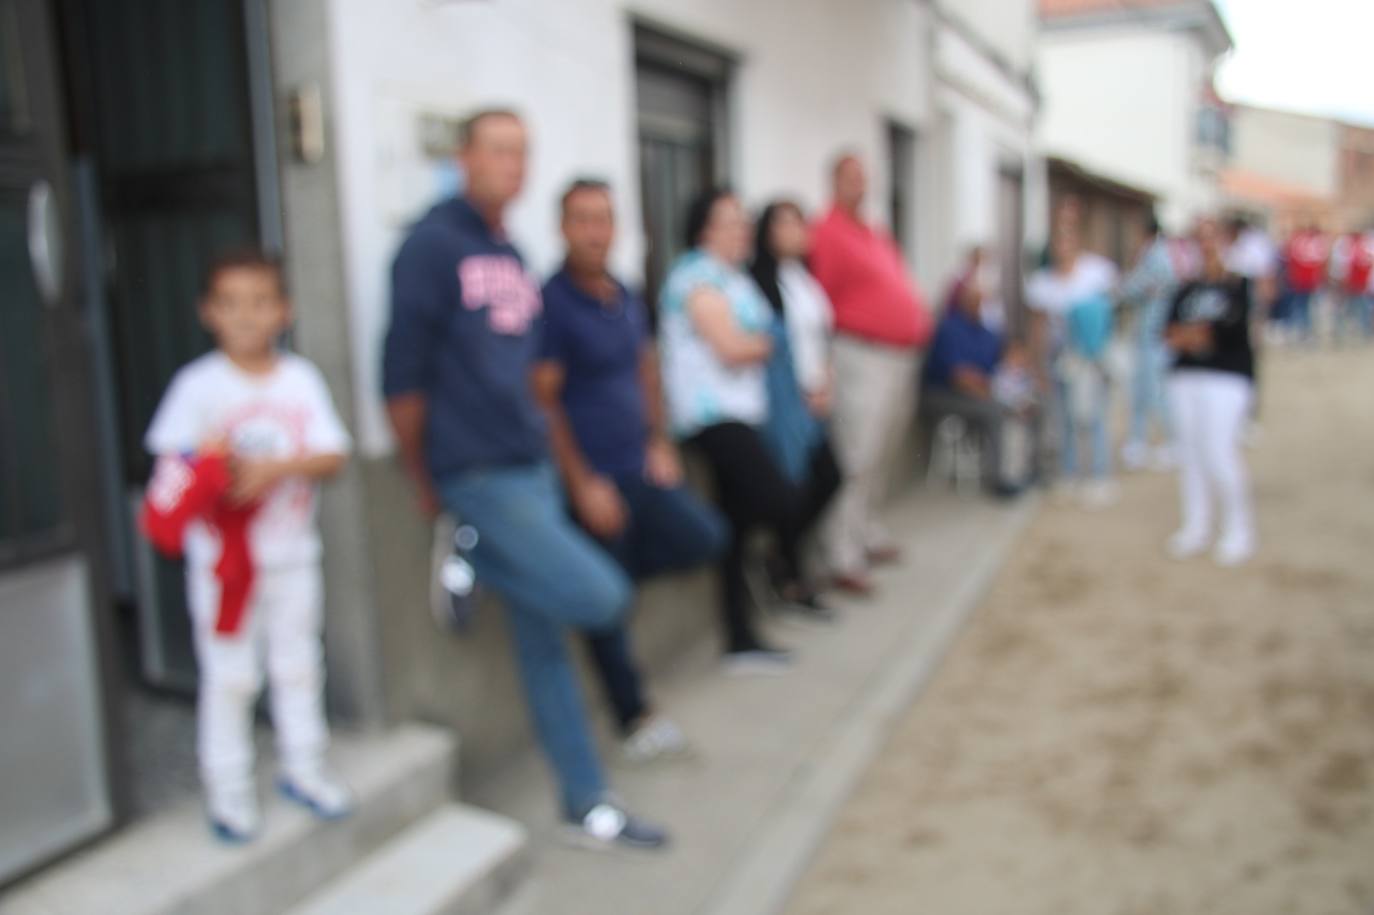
(549,425)
(552,424)
(1175,336)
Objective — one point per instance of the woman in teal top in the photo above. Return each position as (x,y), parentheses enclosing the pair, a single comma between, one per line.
(715,336)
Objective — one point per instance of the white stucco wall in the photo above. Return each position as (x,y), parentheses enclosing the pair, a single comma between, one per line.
(814,76)
(987,118)
(1296,149)
(1007,26)
(1142,131)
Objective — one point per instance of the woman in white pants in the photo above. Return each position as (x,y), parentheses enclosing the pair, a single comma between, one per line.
(1211,388)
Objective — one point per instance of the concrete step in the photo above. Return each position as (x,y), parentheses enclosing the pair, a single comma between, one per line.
(456,861)
(170,864)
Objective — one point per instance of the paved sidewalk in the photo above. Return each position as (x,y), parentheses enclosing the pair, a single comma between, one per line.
(777,757)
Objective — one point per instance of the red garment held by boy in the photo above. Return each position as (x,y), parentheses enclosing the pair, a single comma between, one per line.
(183,490)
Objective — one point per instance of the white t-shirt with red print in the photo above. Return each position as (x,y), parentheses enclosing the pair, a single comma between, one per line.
(286,413)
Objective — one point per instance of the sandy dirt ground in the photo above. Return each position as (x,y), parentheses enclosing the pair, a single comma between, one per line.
(1116,733)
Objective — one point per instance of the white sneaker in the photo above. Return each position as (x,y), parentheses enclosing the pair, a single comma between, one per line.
(1063,491)
(1234,551)
(655,739)
(318,790)
(1135,455)
(1186,544)
(609,825)
(758,662)
(1100,494)
(233,812)
(1164,459)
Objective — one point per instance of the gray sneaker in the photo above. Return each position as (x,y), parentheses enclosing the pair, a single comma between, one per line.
(757,662)
(608,826)
(657,738)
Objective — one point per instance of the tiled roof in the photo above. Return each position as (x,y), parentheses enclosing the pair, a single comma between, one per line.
(1263,189)
(1073,13)
(1052,8)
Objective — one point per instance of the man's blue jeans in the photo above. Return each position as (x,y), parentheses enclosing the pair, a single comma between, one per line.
(551,577)
(669,530)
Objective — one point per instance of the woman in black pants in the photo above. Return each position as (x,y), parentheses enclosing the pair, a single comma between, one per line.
(716,338)
(800,374)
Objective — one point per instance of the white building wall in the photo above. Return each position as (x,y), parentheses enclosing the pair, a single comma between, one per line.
(1296,149)
(1142,132)
(1008,27)
(983,123)
(815,76)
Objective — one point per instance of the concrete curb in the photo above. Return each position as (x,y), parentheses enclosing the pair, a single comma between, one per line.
(783,846)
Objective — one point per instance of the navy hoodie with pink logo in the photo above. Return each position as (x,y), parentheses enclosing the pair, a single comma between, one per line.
(465,324)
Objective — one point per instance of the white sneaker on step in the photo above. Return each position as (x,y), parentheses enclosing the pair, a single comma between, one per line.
(233,811)
(318,790)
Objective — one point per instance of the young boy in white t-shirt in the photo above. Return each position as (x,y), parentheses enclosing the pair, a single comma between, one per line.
(270,414)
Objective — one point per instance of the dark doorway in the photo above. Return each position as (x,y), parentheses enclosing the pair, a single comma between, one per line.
(901,164)
(681,104)
(1011,228)
(162,115)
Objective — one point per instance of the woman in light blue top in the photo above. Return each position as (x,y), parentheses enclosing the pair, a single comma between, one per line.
(716,338)
(1148,288)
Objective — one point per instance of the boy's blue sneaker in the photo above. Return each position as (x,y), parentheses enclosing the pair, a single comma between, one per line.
(318,790)
(233,813)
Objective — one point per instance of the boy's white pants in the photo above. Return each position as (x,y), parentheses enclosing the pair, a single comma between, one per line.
(282,628)
(1210,408)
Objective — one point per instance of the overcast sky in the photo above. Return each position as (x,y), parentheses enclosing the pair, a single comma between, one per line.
(1315,56)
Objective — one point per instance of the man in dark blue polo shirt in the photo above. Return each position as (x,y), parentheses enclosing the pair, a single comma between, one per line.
(597,379)
(465,326)
(961,378)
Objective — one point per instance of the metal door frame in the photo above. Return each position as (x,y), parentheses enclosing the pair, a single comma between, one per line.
(43,155)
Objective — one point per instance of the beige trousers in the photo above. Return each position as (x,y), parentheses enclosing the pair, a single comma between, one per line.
(875,403)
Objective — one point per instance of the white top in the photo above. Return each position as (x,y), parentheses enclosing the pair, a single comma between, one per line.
(810,319)
(1253,255)
(699,388)
(287,413)
(1054,295)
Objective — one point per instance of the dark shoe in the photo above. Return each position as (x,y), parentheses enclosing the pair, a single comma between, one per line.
(1006,492)
(608,826)
(808,608)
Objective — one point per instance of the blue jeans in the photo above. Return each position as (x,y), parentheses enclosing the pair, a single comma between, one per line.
(1357,314)
(669,530)
(1300,314)
(551,577)
(1071,429)
(1149,400)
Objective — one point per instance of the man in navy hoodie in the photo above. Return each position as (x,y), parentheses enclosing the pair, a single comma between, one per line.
(465,326)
